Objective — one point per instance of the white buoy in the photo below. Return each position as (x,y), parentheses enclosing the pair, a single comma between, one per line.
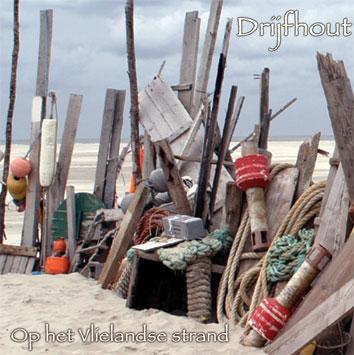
(48,152)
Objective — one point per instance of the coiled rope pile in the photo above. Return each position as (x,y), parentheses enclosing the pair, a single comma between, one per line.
(239,295)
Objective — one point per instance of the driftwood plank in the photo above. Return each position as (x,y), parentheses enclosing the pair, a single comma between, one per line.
(209,146)
(45,46)
(2,262)
(340,103)
(30,221)
(16,250)
(337,205)
(207,55)
(149,156)
(189,57)
(123,237)
(8,264)
(30,224)
(22,265)
(112,166)
(158,103)
(105,139)
(264,110)
(306,161)
(174,181)
(71,220)
(57,190)
(316,321)
(30,265)
(232,210)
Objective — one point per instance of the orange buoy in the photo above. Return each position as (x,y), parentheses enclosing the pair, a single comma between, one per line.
(59,245)
(20,167)
(57,265)
(17,187)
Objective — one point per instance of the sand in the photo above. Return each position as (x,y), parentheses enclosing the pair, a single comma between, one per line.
(73,302)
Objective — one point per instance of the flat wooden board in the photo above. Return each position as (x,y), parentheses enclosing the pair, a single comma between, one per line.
(161,113)
(16,250)
(124,236)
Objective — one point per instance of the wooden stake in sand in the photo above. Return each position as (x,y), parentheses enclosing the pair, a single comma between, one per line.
(10,114)
(30,223)
(133,81)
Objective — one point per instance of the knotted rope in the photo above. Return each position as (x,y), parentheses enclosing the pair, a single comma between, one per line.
(185,253)
(287,254)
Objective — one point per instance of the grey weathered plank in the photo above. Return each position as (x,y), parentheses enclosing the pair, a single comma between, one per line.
(30,265)
(149,156)
(124,236)
(332,230)
(57,189)
(30,222)
(158,103)
(45,45)
(340,103)
(306,161)
(232,210)
(2,262)
(113,161)
(16,250)
(8,264)
(105,139)
(189,57)
(207,55)
(71,220)
(30,225)
(22,265)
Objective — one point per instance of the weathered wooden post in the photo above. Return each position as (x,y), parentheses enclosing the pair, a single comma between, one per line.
(209,144)
(57,189)
(133,81)
(108,154)
(10,115)
(189,58)
(30,223)
(264,110)
(207,56)
(71,220)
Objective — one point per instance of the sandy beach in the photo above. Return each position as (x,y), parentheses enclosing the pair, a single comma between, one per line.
(72,302)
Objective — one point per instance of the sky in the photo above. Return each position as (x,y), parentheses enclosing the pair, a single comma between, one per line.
(89,56)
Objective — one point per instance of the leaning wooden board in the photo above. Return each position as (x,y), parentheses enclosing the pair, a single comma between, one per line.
(17,259)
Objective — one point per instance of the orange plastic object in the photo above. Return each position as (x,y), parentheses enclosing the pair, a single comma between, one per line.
(55,265)
(20,167)
(132,184)
(59,245)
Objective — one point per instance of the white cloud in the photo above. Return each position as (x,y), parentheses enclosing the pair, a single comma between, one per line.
(89,55)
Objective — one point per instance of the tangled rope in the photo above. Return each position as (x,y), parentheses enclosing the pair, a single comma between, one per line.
(150,225)
(287,254)
(238,295)
(185,253)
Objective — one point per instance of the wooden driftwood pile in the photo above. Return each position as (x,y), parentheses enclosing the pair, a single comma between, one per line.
(277,252)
